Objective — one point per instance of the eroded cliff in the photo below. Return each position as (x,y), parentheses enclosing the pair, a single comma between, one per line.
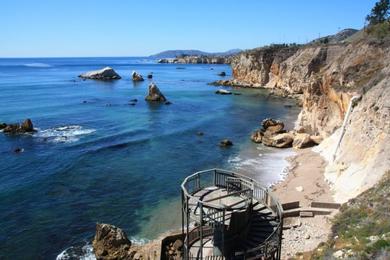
(326,77)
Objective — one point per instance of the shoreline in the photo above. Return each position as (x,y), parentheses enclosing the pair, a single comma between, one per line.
(305,182)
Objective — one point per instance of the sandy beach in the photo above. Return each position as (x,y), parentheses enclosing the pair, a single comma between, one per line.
(305,183)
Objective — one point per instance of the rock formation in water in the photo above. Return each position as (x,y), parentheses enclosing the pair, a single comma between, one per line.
(326,77)
(154,94)
(26,127)
(106,73)
(136,76)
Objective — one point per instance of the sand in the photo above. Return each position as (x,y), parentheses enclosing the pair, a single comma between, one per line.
(305,182)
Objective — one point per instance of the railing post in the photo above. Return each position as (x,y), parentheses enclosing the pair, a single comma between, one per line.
(201,230)
(187,234)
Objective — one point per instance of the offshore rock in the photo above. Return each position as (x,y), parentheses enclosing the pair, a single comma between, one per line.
(222,74)
(25,127)
(106,73)
(225,143)
(136,76)
(223,92)
(155,94)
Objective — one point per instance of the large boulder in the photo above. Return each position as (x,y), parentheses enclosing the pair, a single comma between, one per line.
(283,140)
(257,136)
(272,126)
(302,140)
(136,76)
(106,73)
(27,126)
(155,94)
(111,243)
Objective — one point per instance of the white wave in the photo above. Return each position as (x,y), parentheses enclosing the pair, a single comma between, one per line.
(139,241)
(82,253)
(37,65)
(64,134)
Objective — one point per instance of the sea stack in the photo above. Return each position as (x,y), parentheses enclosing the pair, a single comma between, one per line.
(136,76)
(25,127)
(106,73)
(155,94)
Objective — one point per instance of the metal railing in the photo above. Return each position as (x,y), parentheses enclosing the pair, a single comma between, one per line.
(211,216)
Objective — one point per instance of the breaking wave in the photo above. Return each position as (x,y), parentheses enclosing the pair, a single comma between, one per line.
(37,65)
(64,134)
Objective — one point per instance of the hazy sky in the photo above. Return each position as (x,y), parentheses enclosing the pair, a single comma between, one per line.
(59,28)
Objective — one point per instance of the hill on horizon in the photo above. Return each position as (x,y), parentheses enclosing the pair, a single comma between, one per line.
(176,53)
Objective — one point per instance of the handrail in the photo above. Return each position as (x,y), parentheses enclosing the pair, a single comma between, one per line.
(192,184)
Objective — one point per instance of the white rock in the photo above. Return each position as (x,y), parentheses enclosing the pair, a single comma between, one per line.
(299,188)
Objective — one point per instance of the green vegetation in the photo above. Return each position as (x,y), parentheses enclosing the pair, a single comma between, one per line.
(362,228)
(379,20)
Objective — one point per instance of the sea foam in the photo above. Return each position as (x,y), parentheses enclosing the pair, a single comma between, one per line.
(64,134)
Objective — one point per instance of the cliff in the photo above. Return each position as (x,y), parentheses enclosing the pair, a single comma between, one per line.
(325,77)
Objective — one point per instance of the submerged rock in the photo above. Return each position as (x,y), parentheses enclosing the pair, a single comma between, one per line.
(225,143)
(106,73)
(223,92)
(136,76)
(150,76)
(111,242)
(222,74)
(155,94)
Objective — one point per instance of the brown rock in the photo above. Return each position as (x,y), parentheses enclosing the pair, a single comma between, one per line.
(27,126)
(283,140)
(136,77)
(257,136)
(317,139)
(272,126)
(155,94)
(302,141)
(111,242)
(178,244)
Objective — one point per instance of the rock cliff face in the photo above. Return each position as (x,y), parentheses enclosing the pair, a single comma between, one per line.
(326,77)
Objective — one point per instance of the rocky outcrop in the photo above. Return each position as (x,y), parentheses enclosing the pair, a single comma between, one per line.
(325,76)
(106,73)
(111,242)
(155,94)
(136,76)
(196,60)
(26,127)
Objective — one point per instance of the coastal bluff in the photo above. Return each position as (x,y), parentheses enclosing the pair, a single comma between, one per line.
(325,77)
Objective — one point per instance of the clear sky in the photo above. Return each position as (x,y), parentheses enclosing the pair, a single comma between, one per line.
(75,28)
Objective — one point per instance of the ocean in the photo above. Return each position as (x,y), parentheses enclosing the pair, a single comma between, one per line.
(95,158)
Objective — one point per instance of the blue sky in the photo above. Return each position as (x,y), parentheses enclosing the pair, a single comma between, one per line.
(75,28)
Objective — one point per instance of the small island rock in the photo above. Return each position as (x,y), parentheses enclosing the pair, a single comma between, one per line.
(106,73)
(136,76)
(223,92)
(222,74)
(155,94)
(225,143)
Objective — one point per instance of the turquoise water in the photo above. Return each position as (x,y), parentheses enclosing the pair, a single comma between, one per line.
(95,158)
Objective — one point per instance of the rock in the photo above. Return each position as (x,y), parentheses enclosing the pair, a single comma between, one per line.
(133,100)
(225,143)
(272,126)
(299,188)
(257,136)
(200,133)
(178,244)
(106,73)
(111,242)
(155,94)
(136,77)
(302,141)
(2,126)
(223,92)
(338,254)
(282,140)
(18,150)
(150,76)
(168,103)
(307,236)
(222,74)
(27,126)
(316,139)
